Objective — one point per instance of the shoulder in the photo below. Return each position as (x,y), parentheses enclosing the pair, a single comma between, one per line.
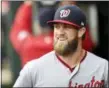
(93,63)
(43,60)
(94,59)
(33,67)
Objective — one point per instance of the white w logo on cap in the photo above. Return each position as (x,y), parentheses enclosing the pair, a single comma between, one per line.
(64,13)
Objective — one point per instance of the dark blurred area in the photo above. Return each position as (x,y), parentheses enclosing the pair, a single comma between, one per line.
(11,64)
(103,16)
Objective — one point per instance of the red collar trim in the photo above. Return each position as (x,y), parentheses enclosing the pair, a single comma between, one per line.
(83,57)
(71,69)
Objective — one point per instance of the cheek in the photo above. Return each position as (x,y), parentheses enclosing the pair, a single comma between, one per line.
(71,35)
(55,35)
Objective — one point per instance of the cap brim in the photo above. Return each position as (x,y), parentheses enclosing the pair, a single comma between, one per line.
(63,21)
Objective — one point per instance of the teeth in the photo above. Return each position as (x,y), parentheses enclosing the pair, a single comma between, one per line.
(62,38)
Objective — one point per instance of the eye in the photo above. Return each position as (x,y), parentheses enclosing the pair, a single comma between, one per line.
(68,26)
(57,26)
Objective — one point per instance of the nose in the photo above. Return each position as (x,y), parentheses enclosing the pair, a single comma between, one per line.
(61,31)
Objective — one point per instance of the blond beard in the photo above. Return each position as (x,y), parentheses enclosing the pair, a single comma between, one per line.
(65,48)
(60,46)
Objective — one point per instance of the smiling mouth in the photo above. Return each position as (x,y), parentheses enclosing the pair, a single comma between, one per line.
(61,39)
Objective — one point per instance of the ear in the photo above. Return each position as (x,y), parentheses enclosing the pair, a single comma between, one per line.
(81,32)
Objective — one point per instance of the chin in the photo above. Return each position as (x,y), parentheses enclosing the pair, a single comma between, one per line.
(65,48)
(60,47)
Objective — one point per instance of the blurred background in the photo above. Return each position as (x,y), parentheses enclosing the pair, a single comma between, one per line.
(97,18)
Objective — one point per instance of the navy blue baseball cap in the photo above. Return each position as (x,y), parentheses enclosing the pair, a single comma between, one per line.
(69,14)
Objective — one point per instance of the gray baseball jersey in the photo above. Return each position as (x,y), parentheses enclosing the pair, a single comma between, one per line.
(50,71)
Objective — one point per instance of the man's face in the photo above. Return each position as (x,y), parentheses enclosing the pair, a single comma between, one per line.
(65,39)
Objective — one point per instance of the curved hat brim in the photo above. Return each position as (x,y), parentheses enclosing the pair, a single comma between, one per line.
(63,21)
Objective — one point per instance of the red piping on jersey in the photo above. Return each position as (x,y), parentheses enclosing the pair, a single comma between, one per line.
(71,69)
(84,56)
(70,84)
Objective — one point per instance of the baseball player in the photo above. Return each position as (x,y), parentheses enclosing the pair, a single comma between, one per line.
(69,65)
(27,45)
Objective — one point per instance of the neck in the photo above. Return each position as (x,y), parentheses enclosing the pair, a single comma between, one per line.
(73,59)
